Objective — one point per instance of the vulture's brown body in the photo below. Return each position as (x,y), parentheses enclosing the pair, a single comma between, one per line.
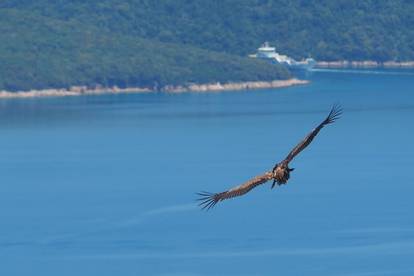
(280,173)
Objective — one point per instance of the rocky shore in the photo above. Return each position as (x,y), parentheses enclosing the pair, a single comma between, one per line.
(232,86)
(364,64)
(73,91)
(213,87)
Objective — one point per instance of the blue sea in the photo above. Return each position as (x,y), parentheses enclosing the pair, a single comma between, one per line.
(105,185)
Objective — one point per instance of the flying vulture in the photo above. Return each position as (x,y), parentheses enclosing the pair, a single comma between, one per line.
(280,172)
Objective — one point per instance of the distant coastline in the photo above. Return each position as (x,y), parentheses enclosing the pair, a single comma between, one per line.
(204,88)
(364,64)
(219,87)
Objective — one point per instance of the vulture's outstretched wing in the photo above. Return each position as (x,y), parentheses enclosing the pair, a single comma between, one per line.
(208,200)
(335,114)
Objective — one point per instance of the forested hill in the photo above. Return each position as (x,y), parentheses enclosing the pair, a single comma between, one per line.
(60,43)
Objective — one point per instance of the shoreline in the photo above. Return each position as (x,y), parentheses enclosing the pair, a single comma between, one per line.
(364,64)
(234,86)
(195,88)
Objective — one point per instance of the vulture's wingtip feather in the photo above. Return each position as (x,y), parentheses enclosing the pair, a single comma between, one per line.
(208,200)
(334,114)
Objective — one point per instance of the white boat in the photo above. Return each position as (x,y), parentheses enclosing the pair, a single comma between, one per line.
(269,53)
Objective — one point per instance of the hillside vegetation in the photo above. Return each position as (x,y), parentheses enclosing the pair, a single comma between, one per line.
(150,43)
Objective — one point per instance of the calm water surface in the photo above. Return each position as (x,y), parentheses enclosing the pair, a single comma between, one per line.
(105,185)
